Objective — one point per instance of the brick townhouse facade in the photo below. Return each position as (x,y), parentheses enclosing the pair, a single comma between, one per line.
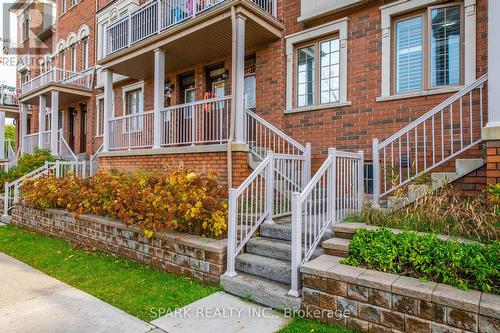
(145,84)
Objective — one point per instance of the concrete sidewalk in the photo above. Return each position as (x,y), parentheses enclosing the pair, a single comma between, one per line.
(31,301)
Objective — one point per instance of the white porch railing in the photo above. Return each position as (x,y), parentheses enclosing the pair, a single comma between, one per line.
(443,133)
(335,191)
(131,131)
(65,150)
(58,75)
(30,142)
(158,15)
(260,199)
(200,122)
(13,189)
(46,137)
(94,161)
(8,95)
(10,154)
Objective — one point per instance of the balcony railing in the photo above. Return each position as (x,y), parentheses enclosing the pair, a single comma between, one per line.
(8,95)
(158,15)
(197,123)
(58,75)
(30,142)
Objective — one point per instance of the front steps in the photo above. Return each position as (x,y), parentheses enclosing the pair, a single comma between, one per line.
(439,179)
(264,269)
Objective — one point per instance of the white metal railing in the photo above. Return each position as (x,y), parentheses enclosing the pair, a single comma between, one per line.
(58,75)
(94,161)
(10,155)
(335,191)
(13,189)
(132,131)
(200,122)
(46,138)
(30,142)
(65,150)
(264,195)
(156,16)
(443,133)
(8,95)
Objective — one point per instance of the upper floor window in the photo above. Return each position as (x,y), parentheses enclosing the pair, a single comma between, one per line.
(85,54)
(26,27)
(74,2)
(428,49)
(318,73)
(63,6)
(73,58)
(25,77)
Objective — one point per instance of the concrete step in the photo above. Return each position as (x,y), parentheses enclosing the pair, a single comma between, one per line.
(283,230)
(338,247)
(275,248)
(260,290)
(268,268)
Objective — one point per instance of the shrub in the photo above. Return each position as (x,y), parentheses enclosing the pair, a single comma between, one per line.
(464,265)
(180,199)
(27,163)
(444,211)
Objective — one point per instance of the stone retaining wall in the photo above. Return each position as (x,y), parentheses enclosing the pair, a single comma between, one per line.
(382,302)
(200,258)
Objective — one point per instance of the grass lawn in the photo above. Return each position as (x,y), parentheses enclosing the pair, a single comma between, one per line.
(299,325)
(126,284)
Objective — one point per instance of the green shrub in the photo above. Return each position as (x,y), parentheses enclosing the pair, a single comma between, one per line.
(425,256)
(27,163)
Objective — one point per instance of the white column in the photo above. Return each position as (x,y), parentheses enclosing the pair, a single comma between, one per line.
(239,89)
(493,64)
(23,125)
(2,134)
(159,89)
(108,106)
(41,119)
(54,105)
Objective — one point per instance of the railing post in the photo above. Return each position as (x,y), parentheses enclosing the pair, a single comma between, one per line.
(58,169)
(296,245)
(331,186)
(231,234)
(6,201)
(269,198)
(306,172)
(129,22)
(193,127)
(376,174)
(158,7)
(361,180)
(274,10)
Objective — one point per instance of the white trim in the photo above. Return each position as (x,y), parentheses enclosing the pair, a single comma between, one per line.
(83,32)
(131,87)
(437,91)
(72,39)
(404,6)
(340,26)
(97,99)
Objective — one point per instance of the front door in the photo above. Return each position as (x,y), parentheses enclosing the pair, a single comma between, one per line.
(71,129)
(83,128)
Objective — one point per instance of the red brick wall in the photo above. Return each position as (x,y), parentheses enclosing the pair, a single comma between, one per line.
(493,161)
(200,162)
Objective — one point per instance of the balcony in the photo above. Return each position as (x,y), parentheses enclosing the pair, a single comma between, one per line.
(198,123)
(157,16)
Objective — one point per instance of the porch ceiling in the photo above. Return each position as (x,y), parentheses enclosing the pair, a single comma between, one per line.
(207,41)
(67,94)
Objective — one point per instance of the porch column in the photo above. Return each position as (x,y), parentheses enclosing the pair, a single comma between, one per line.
(2,134)
(41,119)
(23,125)
(54,105)
(493,64)
(239,73)
(108,106)
(159,89)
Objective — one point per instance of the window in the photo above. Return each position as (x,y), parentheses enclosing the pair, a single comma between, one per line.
(85,54)
(368,181)
(318,73)
(62,55)
(63,6)
(134,106)
(428,51)
(100,117)
(74,2)
(73,58)
(26,27)
(25,77)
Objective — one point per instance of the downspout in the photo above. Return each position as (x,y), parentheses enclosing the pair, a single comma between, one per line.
(233,110)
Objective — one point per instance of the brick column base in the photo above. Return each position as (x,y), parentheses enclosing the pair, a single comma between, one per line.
(493,161)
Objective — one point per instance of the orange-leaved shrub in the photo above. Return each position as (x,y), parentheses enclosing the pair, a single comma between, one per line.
(178,199)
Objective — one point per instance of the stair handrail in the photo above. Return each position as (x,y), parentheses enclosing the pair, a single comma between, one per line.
(446,105)
(335,191)
(263,173)
(11,155)
(68,154)
(93,159)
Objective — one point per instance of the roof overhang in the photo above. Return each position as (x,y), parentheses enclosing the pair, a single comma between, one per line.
(67,94)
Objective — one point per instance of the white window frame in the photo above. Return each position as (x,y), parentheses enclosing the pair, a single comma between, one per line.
(74,56)
(98,112)
(85,54)
(63,6)
(339,27)
(389,11)
(125,90)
